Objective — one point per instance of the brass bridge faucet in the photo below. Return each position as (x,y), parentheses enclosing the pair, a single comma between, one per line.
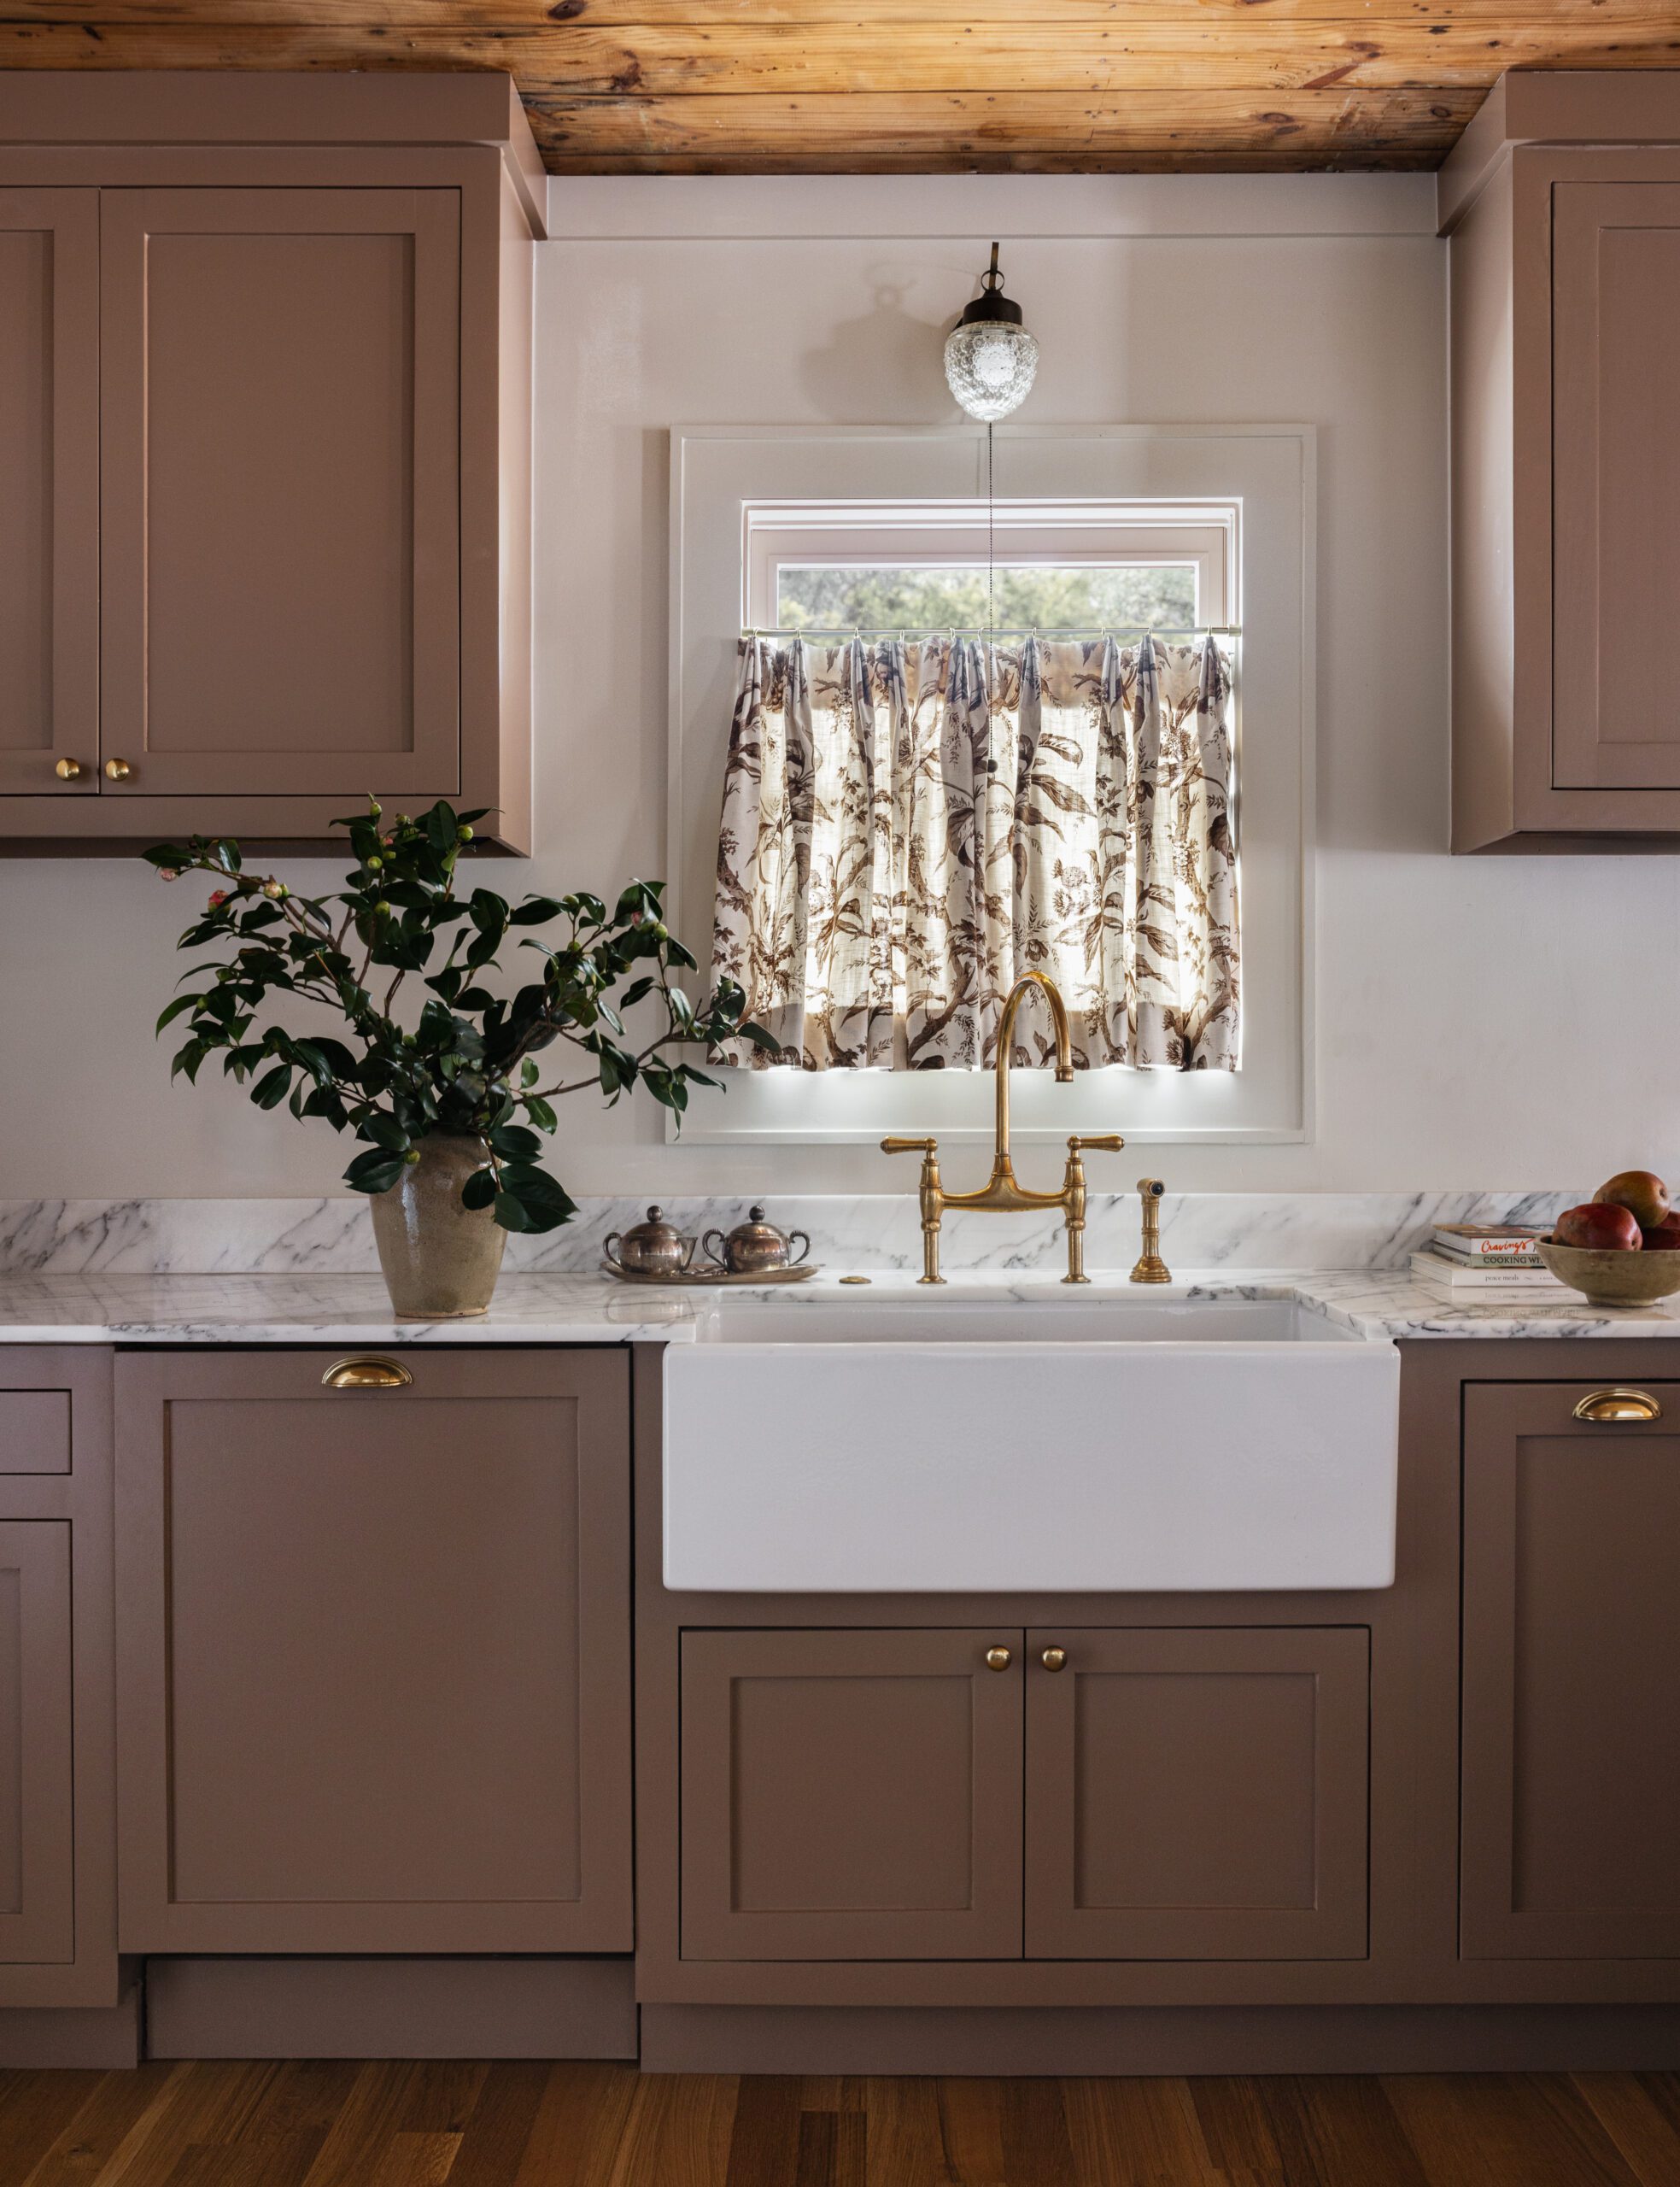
(1000,1191)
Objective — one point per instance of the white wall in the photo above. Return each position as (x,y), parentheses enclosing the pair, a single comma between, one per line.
(1493,1022)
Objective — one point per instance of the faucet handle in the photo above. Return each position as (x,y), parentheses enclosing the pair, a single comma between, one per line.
(932,1197)
(1103,1142)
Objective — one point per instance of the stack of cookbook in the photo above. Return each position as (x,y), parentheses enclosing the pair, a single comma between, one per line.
(1486,1263)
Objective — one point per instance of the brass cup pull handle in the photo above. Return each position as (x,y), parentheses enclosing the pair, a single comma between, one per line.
(68,770)
(1604,1406)
(118,770)
(999,1659)
(366,1372)
(1054,1659)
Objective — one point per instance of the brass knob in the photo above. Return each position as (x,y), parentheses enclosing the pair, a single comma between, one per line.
(366,1372)
(998,1659)
(118,770)
(1053,1658)
(1605,1405)
(68,771)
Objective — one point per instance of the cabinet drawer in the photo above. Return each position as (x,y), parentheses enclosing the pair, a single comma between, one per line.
(1570,1784)
(34,1431)
(374,1683)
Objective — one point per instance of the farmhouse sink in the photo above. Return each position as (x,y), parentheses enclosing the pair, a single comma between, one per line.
(917,1445)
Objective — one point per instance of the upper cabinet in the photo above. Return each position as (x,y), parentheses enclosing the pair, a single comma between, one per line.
(1562,208)
(269,405)
(49,490)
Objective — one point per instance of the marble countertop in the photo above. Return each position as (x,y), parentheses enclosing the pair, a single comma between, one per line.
(97,1307)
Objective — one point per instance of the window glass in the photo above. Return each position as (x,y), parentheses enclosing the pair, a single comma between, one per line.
(1029,595)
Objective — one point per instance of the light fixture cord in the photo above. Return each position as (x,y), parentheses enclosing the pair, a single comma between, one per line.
(991,558)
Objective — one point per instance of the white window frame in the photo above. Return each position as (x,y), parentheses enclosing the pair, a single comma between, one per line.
(1258,481)
(935,535)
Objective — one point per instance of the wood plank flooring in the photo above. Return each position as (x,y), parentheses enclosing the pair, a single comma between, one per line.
(464,2124)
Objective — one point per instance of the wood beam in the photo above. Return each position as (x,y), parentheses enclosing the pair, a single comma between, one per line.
(678,60)
(958,130)
(1491,17)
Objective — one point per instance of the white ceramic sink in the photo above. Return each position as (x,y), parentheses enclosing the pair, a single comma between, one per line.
(908,1444)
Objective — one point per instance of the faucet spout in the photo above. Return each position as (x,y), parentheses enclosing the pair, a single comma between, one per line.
(1001,1165)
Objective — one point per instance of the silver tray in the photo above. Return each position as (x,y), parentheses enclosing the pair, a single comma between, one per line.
(711,1276)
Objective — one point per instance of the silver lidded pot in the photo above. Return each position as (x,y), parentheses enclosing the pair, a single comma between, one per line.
(754,1246)
(654,1248)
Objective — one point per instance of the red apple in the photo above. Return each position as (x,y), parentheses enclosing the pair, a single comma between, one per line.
(1641,1192)
(1599,1225)
(1666,1236)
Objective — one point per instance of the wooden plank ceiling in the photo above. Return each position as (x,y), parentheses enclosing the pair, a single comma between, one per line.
(817,86)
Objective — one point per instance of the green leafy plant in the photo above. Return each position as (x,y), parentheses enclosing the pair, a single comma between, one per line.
(466,1061)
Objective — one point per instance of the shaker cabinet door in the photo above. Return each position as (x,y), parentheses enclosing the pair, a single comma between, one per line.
(850,1795)
(1197,1794)
(1615,484)
(48,492)
(37,1832)
(1572,1677)
(373,1659)
(280,456)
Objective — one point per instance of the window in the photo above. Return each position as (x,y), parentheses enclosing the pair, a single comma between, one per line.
(1118,529)
(1014,565)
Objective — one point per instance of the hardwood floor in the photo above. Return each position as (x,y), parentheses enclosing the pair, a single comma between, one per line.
(344,2124)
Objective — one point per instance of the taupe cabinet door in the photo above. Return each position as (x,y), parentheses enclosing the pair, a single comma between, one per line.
(850,1795)
(49,490)
(1571,1678)
(1615,484)
(281,491)
(373,1684)
(37,1823)
(1197,1794)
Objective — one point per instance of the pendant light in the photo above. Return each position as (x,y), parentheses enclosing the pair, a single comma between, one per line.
(989,358)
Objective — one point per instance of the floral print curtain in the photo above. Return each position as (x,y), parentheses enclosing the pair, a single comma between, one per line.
(909,825)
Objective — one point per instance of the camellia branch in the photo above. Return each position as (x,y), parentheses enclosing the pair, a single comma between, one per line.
(465,1065)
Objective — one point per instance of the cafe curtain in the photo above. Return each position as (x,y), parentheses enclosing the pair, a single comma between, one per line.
(910,824)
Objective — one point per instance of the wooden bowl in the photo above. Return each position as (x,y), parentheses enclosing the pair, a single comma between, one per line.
(1610,1277)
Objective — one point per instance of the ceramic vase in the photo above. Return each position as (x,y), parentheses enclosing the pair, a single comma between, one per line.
(439,1260)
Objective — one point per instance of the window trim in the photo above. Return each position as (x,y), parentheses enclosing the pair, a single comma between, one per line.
(1270,472)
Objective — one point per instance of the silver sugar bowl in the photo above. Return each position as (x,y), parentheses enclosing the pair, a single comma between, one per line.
(654,1248)
(754,1246)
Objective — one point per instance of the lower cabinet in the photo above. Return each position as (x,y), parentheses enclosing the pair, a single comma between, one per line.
(1197,1793)
(373,1688)
(850,1795)
(1193,1793)
(38,1916)
(57,1914)
(1571,1781)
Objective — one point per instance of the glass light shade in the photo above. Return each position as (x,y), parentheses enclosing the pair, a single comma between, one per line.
(989,364)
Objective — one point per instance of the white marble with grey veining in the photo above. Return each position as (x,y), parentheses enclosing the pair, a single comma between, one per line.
(1201,1230)
(335,1308)
(100,1308)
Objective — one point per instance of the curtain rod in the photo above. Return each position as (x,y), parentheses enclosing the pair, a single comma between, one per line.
(1005,631)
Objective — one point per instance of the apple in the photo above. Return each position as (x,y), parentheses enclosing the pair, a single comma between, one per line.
(1597,1226)
(1665,1235)
(1642,1193)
